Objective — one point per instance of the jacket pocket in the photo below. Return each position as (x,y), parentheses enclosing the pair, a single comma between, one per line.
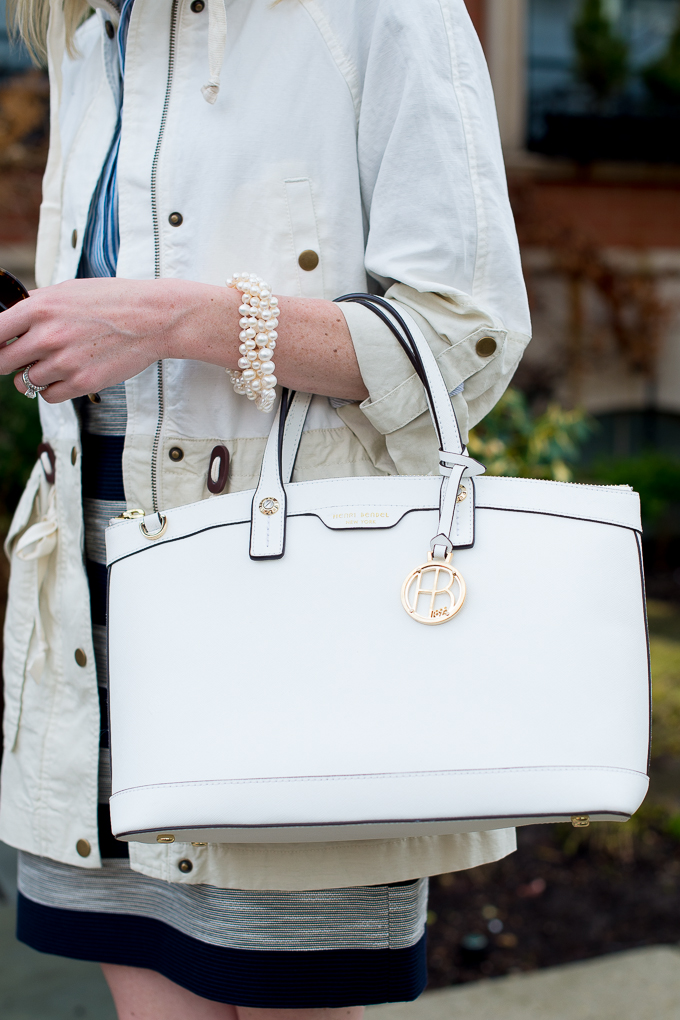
(305,235)
(31,540)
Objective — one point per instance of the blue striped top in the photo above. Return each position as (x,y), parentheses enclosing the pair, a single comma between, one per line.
(102,234)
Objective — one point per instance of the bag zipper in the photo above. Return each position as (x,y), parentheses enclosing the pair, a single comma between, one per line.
(157,246)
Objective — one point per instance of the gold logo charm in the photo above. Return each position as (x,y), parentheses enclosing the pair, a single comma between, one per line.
(269,506)
(433,593)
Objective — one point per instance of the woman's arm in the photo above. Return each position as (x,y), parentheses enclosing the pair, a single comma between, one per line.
(85,335)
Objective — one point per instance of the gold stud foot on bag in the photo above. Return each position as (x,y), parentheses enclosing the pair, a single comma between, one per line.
(442,584)
(580,821)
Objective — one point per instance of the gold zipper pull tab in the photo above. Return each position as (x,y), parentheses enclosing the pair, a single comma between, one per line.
(130,515)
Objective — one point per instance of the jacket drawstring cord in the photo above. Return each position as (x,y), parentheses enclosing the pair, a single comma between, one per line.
(217,40)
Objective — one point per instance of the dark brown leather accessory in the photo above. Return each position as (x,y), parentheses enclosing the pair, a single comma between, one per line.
(217,479)
(11,290)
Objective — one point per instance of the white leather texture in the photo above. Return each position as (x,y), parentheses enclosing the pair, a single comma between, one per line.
(352,503)
(295,699)
(292,433)
(268,526)
(546,794)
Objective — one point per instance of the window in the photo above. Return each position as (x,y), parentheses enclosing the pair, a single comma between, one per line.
(604,79)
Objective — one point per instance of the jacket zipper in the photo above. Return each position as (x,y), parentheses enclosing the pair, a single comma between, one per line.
(157,246)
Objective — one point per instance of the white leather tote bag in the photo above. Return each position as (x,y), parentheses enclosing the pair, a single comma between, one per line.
(355,658)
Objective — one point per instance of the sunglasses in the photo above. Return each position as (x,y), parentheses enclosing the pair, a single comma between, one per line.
(11,290)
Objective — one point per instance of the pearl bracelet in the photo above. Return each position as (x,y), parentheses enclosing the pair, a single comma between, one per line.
(259,310)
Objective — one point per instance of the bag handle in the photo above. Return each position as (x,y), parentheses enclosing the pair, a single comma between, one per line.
(456,518)
(424,363)
(268,515)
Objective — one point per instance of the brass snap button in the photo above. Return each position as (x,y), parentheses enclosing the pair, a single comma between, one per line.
(83,847)
(198,6)
(176,453)
(175,219)
(110,30)
(185,866)
(74,239)
(486,347)
(81,657)
(165,838)
(74,455)
(308,260)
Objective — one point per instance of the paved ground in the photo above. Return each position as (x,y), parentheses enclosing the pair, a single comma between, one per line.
(640,985)
(38,987)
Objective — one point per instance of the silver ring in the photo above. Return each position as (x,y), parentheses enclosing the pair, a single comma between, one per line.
(32,390)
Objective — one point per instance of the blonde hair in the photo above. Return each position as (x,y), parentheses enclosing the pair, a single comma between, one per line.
(29,19)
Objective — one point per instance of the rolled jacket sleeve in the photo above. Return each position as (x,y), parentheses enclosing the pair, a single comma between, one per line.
(441,238)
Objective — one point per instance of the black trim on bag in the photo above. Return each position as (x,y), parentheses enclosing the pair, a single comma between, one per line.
(233,524)
(383,821)
(414,510)
(649,652)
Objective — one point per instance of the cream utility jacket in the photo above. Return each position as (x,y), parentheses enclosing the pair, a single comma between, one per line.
(362,130)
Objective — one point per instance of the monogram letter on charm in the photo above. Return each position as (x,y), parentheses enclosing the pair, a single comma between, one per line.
(433,593)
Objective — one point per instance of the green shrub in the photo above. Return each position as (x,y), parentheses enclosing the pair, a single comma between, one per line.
(662,77)
(656,476)
(601,54)
(512,440)
(666,697)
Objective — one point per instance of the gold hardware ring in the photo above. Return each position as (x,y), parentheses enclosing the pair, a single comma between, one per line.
(153,536)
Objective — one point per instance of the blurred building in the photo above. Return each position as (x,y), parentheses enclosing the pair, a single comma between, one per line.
(13,58)
(593,157)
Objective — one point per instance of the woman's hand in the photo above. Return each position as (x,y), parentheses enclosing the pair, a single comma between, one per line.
(84,335)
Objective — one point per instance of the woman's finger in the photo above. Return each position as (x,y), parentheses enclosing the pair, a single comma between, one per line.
(16,357)
(34,345)
(19,382)
(39,373)
(16,320)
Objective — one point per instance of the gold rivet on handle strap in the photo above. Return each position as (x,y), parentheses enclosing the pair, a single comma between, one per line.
(269,506)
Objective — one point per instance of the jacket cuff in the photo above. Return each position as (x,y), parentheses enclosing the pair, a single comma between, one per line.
(396,395)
